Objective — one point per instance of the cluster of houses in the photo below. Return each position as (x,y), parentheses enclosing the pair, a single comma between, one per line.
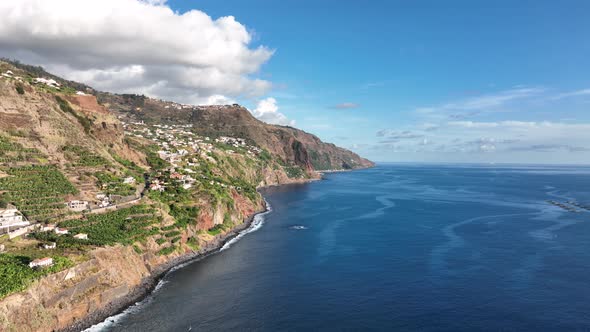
(39,80)
(182,149)
(238,143)
(10,74)
(61,231)
(47,81)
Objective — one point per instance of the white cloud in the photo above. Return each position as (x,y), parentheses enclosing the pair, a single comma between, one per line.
(498,137)
(343,106)
(267,111)
(485,102)
(583,92)
(135,46)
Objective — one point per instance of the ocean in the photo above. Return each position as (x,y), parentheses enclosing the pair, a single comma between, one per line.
(397,247)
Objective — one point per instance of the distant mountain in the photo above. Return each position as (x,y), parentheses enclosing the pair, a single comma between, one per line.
(292,145)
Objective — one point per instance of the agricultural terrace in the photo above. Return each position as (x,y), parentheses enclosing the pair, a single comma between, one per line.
(11,152)
(16,274)
(124,226)
(81,156)
(37,191)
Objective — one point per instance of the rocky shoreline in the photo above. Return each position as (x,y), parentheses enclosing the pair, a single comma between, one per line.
(149,283)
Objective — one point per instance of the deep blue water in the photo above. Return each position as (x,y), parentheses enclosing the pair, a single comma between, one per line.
(396,247)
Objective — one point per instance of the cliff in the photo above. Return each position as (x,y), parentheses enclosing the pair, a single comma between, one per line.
(161,184)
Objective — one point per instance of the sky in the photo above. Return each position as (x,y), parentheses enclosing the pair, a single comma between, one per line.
(417,81)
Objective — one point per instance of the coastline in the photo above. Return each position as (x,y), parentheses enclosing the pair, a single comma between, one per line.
(147,286)
(149,283)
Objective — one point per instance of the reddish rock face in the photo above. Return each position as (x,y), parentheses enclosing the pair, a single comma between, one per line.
(205,220)
(242,205)
(87,103)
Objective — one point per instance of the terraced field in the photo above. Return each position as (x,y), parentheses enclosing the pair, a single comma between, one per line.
(37,191)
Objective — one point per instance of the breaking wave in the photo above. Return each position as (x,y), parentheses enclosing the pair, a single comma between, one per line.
(256,225)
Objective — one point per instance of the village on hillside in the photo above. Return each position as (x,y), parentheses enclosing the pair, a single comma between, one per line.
(157,188)
(183,150)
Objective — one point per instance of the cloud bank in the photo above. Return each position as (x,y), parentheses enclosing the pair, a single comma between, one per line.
(133,46)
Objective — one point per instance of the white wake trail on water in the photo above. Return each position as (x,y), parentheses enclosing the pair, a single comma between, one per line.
(438,255)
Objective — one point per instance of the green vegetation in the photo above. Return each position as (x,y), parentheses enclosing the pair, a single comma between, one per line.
(152,158)
(20,89)
(65,107)
(225,226)
(184,215)
(193,243)
(294,171)
(16,274)
(38,191)
(319,161)
(137,249)
(83,157)
(11,152)
(124,226)
(113,185)
(134,170)
(172,234)
(166,251)
(265,156)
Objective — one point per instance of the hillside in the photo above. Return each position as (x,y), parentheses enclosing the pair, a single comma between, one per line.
(113,191)
(292,145)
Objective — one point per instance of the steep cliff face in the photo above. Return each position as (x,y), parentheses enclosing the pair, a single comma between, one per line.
(109,280)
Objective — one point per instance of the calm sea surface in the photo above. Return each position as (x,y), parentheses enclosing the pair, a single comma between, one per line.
(396,247)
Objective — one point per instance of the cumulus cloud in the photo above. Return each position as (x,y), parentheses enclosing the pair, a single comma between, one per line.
(344,106)
(136,46)
(268,111)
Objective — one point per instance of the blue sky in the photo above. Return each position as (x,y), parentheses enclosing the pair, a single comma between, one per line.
(495,63)
(439,81)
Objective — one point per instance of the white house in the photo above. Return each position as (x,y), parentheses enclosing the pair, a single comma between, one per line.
(11,218)
(77,205)
(129,180)
(49,82)
(50,245)
(61,231)
(41,262)
(81,236)
(48,228)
